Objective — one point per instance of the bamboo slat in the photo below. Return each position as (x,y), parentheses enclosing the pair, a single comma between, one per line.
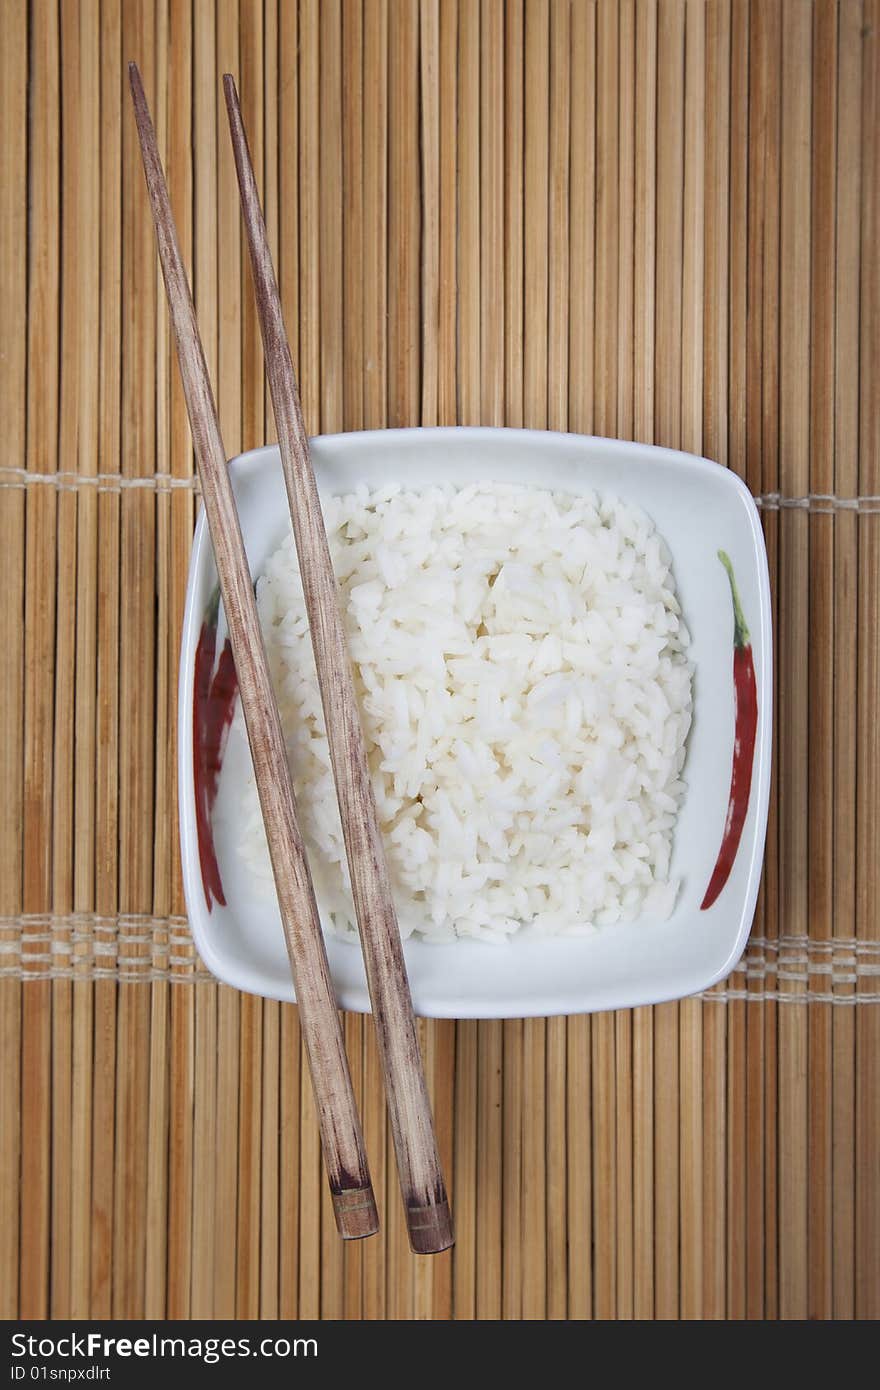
(536,180)
(309,374)
(667,430)
(469,382)
(867,1276)
(332,406)
(606,362)
(375,302)
(40,589)
(644,233)
(65,655)
(137,635)
(557,419)
(692,390)
(753,1040)
(716,360)
(655,219)
(203,1252)
(352,38)
(14,288)
(820,829)
(512,1052)
(182,1007)
(156,1197)
(794,635)
(846,417)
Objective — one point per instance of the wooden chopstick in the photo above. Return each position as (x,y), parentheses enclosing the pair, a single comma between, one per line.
(424,1192)
(341,1139)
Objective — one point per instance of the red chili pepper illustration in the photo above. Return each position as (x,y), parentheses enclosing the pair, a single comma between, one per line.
(221,707)
(745,696)
(213,705)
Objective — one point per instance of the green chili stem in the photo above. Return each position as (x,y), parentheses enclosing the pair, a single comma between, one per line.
(741,635)
(213,609)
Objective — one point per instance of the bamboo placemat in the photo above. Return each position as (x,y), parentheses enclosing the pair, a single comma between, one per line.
(651,220)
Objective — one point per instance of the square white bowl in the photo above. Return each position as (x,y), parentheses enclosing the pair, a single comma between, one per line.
(698,508)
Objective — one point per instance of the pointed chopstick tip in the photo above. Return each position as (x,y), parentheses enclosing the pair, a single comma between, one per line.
(230,90)
(135,83)
(143,119)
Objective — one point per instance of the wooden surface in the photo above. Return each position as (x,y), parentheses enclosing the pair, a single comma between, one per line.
(658,221)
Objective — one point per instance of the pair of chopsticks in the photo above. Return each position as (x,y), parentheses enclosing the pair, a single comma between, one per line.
(424,1193)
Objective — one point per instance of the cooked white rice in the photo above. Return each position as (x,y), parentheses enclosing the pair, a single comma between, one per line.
(520,662)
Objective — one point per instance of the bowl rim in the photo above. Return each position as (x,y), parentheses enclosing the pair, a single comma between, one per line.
(514,1007)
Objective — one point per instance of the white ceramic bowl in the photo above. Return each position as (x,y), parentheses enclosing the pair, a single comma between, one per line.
(698,507)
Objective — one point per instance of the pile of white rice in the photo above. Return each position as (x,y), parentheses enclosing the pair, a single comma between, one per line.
(521,668)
